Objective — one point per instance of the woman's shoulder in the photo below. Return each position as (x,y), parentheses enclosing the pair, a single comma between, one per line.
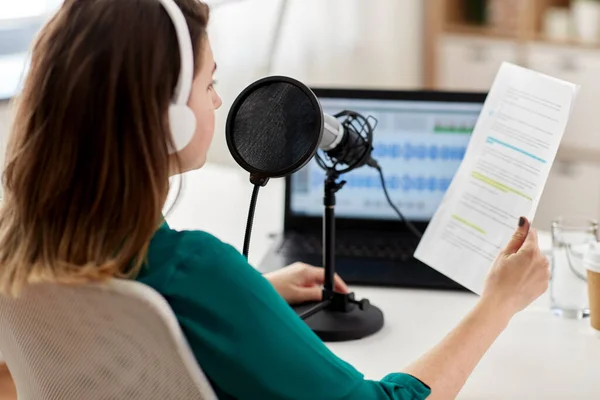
(184,244)
(188,253)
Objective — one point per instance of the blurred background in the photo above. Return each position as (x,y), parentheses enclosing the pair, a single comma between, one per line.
(392,44)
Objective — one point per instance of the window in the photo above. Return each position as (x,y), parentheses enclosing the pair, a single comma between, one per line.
(19,23)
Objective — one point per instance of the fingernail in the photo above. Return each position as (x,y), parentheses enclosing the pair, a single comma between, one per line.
(521,221)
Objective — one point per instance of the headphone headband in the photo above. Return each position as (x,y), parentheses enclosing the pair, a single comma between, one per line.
(182,120)
(186,52)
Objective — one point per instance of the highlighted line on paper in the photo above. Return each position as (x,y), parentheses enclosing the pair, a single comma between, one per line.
(467,223)
(493,140)
(500,186)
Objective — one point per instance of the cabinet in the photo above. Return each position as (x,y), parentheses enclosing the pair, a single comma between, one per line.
(471,64)
(580,66)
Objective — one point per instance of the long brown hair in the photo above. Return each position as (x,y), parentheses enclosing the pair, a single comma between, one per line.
(87,170)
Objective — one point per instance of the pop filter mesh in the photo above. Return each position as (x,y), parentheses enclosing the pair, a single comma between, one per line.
(274,128)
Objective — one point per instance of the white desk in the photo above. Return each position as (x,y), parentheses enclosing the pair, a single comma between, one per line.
(539,356)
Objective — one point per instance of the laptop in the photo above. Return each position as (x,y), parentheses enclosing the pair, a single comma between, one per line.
(420,140)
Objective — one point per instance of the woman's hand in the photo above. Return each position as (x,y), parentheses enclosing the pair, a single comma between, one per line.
(300,283)
(520,273)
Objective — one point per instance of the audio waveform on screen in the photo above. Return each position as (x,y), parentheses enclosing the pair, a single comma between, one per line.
(405,183)
(410,151)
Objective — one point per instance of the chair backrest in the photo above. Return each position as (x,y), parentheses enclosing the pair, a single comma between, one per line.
(118,340)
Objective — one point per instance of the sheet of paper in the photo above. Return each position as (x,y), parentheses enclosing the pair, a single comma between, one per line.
(502,175)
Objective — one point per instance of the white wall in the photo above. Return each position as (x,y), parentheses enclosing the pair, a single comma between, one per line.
(360,43)
(4,128)
(357,43)
(348,43)
(4,120)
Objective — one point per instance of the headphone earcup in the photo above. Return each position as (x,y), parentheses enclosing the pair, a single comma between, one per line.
(182,122)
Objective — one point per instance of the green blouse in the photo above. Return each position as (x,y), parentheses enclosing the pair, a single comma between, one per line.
(247,339)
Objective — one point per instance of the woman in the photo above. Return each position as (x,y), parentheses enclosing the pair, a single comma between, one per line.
(88,173)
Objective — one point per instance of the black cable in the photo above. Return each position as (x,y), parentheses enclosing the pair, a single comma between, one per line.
(314,309)
(408,224)
(250,220)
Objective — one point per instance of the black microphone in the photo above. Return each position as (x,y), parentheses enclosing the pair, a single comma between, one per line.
(343,143)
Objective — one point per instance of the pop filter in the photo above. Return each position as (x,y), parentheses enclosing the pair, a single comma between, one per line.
(274,128)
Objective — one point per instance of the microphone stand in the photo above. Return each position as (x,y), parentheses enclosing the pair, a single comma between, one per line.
(331,187)
(339,316)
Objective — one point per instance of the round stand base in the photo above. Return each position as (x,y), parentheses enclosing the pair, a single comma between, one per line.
(337,326)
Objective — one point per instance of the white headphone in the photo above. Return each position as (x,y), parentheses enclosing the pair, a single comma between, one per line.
(182,120)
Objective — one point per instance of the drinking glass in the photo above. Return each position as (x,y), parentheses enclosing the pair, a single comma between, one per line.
(568,284)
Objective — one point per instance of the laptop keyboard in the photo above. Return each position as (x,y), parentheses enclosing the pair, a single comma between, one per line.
(392,247)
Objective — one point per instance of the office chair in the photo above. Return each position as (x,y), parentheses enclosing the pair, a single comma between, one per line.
(118,340)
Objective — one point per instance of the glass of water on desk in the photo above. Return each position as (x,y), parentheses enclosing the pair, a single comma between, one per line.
(568,284)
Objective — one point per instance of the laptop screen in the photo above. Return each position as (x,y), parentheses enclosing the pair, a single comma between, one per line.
(419,145)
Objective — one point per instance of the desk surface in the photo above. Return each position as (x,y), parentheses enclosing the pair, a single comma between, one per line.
(539,356)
